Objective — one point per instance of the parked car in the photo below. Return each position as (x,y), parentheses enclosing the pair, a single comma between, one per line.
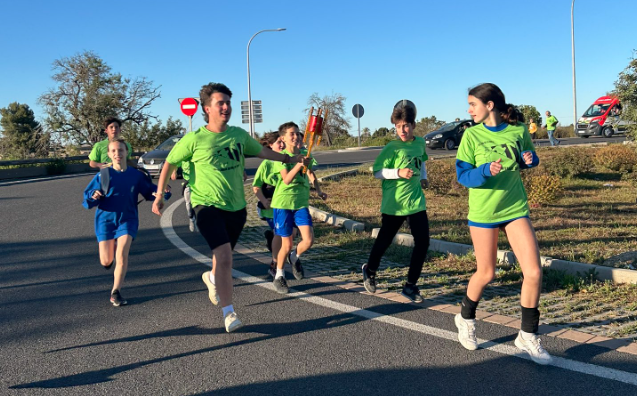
(449,135)
(153,161)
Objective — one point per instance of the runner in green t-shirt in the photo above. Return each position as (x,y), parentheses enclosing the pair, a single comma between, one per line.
(401,167)
(216,154)
(98,158)
(265,180)
(489,160)
(290,203)
(551,125)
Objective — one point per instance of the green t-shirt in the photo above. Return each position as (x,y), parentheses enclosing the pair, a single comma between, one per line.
(295,195)
(216,165)
(551,123)
(502,197)
(265,175)
(99,153)
(185,170)
(402,197)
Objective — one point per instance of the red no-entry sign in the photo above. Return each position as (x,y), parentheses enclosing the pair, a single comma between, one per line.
(189,106)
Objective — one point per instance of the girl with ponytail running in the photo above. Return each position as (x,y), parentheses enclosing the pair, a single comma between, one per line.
(489,160)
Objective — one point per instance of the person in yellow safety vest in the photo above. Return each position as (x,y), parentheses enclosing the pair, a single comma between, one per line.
(532,128)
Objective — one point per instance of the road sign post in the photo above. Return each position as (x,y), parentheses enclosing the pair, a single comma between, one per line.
(358,112)
(257,112)
(189,106)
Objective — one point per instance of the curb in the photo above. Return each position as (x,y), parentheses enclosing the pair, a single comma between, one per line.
(506,257)
(332,219)
(346,150)
(338,175)
(614,344)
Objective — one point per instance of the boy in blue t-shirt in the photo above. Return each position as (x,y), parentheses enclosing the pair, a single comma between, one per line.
(116,217)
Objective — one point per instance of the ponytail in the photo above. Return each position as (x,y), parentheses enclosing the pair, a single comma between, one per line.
(511,115)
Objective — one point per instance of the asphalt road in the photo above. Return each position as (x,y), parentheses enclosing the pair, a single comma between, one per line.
(60,335)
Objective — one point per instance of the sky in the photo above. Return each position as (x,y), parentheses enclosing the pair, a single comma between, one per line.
(374,53)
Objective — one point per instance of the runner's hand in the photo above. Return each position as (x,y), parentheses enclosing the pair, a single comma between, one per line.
(322,195)
(158,205)
(528,157)
(495,167)
(424,183)
(97,195)
(405,173)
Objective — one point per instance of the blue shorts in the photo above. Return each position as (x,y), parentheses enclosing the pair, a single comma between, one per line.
(286,219)
(270,222)
(495,225)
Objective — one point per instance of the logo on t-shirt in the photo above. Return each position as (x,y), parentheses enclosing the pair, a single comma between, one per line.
(229,157)
(508,152)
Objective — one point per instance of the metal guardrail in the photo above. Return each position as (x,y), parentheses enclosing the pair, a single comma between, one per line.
(32,161)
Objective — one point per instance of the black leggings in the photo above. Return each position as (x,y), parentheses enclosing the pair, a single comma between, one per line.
(419,225)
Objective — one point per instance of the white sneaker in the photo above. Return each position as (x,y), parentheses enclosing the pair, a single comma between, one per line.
(212,289)
(232,322)
(466,332)
(534,348)
(192,225)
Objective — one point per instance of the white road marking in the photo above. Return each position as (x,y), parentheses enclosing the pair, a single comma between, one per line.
(504,349)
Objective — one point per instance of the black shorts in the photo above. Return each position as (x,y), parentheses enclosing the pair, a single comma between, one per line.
(218,226)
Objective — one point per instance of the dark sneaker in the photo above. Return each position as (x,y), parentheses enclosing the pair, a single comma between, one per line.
(281,285)
(269,235)
(369,281)
(412,293)
(272,269)
(297,270)
(116,299)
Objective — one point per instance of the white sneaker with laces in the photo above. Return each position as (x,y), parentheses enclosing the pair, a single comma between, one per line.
(232,322)
(534,348)
(466,332)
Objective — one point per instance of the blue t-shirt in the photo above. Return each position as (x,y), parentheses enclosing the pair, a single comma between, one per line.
(116,213)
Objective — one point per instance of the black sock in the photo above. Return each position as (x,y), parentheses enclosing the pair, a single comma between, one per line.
(468,308)
(530,319)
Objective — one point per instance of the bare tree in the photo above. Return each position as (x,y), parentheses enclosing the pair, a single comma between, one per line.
(87,92)
(337,123)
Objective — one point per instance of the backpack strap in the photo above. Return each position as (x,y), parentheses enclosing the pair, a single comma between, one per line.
(105,180)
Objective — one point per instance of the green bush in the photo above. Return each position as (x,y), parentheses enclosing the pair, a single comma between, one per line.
(379,140)
(560,132)
(616,157)
(541,188)
(56,167)
(572,162)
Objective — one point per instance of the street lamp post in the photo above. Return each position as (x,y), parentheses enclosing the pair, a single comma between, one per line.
(573,58)
(250,115)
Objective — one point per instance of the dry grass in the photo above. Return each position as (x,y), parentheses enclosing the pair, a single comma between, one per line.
(594,220)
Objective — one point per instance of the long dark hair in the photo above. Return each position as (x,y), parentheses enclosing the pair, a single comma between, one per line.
(489,92)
